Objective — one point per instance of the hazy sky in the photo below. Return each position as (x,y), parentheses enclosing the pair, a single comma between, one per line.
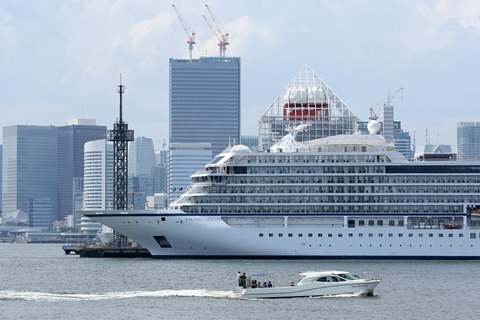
(61,59)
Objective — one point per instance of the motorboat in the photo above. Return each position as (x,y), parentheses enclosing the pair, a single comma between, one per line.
(313,284)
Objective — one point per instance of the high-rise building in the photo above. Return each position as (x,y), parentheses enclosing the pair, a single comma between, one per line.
(97,181)
(98,175)
(468,141)
(1,155)
(160,172)
(306,100)
(141,156)
(30,170)
(205,101)
(387,124)
(141,164)
(71,141)
(185,159)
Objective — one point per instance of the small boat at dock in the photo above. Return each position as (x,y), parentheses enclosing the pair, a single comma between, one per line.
(314,284)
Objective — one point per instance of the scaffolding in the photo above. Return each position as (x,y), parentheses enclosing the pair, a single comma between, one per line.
(306,100)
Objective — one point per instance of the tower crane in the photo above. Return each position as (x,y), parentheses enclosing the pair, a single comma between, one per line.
(191,35)
(221,36)
(391,96)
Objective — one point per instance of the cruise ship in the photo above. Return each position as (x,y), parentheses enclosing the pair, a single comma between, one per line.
(342,196)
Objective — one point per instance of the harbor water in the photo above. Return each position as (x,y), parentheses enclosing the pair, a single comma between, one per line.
(38,281)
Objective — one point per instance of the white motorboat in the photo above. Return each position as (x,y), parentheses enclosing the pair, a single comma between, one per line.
(314,283)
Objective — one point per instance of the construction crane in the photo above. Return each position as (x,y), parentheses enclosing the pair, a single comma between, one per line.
(386,102)
(391,96)
(373,115)
(221,36)
(190,35)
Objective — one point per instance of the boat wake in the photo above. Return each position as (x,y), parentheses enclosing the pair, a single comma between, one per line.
(45,296)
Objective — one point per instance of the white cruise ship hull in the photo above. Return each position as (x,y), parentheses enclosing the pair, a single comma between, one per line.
(173,234)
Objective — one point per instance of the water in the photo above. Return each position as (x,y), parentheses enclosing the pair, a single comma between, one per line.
(39,281)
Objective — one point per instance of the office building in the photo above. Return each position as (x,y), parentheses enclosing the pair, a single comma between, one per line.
(205,101)
(1,155)
(468,141)
(141,156)
(387,124)
(71,141)
(141,165)
(30,172)
(185,159)
(160,172)
(98,175)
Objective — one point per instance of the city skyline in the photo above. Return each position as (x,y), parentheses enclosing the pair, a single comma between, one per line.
(365,50)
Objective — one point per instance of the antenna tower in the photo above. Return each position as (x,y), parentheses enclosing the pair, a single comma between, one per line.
(120,135)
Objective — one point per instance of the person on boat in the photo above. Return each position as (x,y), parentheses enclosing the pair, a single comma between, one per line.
(254,284)
(265,285)
(238,279)
(243,281)
(269,284)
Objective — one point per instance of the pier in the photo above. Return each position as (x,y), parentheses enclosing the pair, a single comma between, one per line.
(106,252)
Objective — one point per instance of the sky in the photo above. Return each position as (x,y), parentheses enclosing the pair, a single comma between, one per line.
(62,59)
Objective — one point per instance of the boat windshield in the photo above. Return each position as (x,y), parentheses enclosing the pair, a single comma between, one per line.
(348,276)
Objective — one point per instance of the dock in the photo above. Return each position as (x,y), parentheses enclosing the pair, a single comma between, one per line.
(106,252)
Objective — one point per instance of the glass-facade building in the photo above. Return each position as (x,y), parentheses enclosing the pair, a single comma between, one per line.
(71,141)
(141,165)
(468,141)
(205,101)
(185,159)
(30,171)
(307,99)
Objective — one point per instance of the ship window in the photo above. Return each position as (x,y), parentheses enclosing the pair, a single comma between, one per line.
(340,235)
(370,235)
(380,235)
(163,219)
(360,235)
(440,235)
(380,223)
(320,235)
(473,235)
(300,235)
(290,235)
(330,235)
(391,223)
(350,235)
(280,235)
(310,235)
(460,235)
(410,235)
(270,235)
(361,222)
(260,235)
(430,235)
(371,223)
(420,235)
(450,235)
(400,235)
(401,223)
